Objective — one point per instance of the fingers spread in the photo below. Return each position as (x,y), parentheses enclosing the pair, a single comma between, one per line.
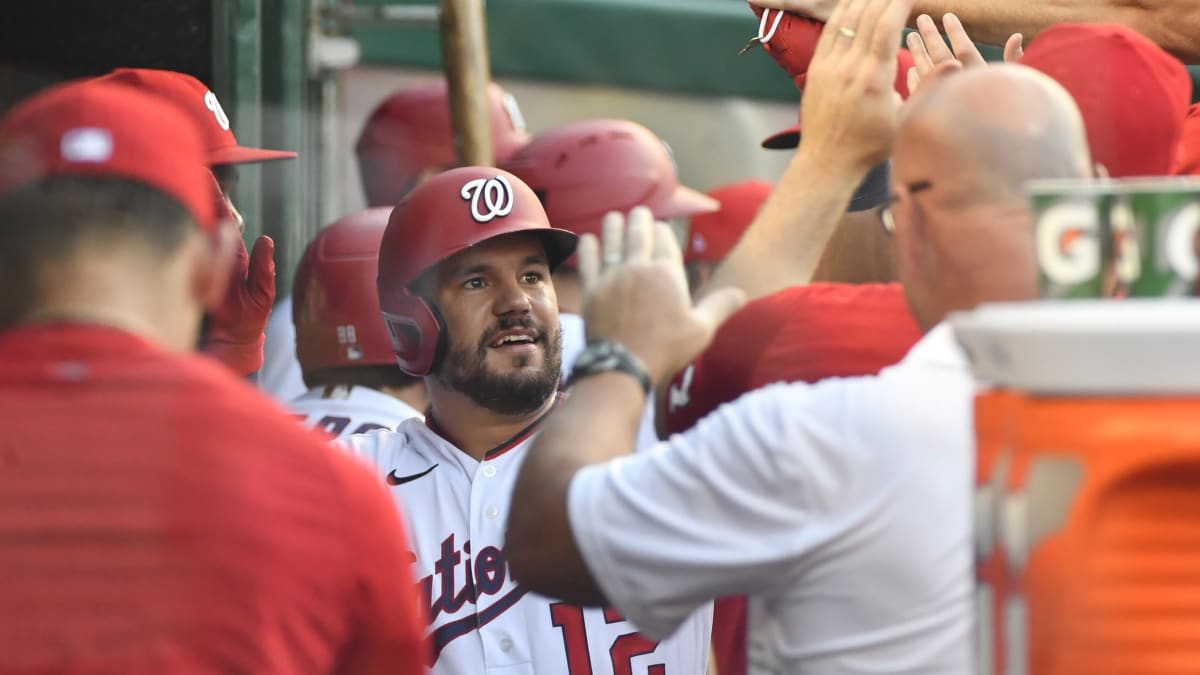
(914,80)
(588,254)
(1014,48)
(964,49)
(639,235)
(612,237)
(261,277)
(890,19)
(935,46)
(921,60)
(847,15)
(667,252)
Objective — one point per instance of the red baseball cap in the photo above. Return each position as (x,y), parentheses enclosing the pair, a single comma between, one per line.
(800,334)
(1187,156)
(712,235)
(1133,95)
(411,131)
(789,138)
(94,128)
(202,104)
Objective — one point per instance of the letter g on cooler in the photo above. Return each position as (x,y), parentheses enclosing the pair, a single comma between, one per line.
(1068,243)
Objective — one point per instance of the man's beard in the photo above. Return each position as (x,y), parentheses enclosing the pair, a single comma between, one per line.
(465,370)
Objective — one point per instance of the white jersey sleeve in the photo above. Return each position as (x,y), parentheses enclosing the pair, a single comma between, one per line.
(658,552)
(280,376)
(842,508)
(343,410)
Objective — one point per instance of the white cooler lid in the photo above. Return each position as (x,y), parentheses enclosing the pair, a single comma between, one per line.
(1093,347)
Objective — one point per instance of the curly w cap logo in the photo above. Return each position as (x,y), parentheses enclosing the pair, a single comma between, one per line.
(489,197)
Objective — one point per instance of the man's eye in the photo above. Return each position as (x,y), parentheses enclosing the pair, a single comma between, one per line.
(475,282)
(532,277)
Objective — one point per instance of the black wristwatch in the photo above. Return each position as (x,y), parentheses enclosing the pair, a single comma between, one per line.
(603,356)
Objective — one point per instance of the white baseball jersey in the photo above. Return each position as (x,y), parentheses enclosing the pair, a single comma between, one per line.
(842,508)
(280,376)
(342,410)
(482,622)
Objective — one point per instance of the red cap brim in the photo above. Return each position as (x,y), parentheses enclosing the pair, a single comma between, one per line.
(687,202)
(788,139)
(239,155)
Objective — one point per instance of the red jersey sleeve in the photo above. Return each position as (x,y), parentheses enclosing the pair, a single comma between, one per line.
(390,626)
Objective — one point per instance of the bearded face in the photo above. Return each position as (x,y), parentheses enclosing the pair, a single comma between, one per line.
(503,342)
(521,382)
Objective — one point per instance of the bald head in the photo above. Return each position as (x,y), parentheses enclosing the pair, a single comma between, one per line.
(974,140)
(981,134)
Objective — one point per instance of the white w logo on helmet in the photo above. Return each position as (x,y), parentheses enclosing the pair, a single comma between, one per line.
(495,194)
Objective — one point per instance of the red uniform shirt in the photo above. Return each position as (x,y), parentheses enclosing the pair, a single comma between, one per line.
(159,516)
(800,334)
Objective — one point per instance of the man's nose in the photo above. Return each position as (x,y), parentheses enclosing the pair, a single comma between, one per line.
(512,298)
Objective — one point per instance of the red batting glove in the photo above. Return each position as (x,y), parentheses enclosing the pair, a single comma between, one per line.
(793,39)
(236,329)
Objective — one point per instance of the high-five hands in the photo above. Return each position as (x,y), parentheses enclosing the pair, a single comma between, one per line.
(850,107)
(933,59)
(636,293)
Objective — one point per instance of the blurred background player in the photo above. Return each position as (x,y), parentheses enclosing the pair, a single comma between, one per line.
(234,331)
(1133,129)
(583,170)
(147,525)
(472,308)
(710,236)
(407,139)
(342,344)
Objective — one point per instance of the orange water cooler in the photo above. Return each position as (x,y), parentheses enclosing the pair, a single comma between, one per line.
(1087,487)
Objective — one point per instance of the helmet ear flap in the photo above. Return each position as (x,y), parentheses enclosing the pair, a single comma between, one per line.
(416,330)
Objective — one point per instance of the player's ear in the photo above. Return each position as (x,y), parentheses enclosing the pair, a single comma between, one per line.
(214,267)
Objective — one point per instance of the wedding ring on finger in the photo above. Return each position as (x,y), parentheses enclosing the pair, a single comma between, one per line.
(847,31)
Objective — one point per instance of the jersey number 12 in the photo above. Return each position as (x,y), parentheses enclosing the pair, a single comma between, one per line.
(569,619)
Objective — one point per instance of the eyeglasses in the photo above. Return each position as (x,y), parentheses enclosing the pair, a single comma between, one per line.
(884,211)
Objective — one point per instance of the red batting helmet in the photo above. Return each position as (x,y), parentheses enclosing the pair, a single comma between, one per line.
(583,170)
(439,218)
(410,131)
(335,308)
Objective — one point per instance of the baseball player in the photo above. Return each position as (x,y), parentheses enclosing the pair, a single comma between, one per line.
(234,332)
(471,307)
(406,139)
(342,344)
(159,515)
(583,170)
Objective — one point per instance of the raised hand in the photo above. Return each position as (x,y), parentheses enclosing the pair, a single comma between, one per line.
(235,329)
(850,107)
(932,58)
(636,293)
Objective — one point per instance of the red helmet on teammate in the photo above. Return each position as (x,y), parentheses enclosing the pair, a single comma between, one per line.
(583,170)
(444,215)
(410,132)
(335,309)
